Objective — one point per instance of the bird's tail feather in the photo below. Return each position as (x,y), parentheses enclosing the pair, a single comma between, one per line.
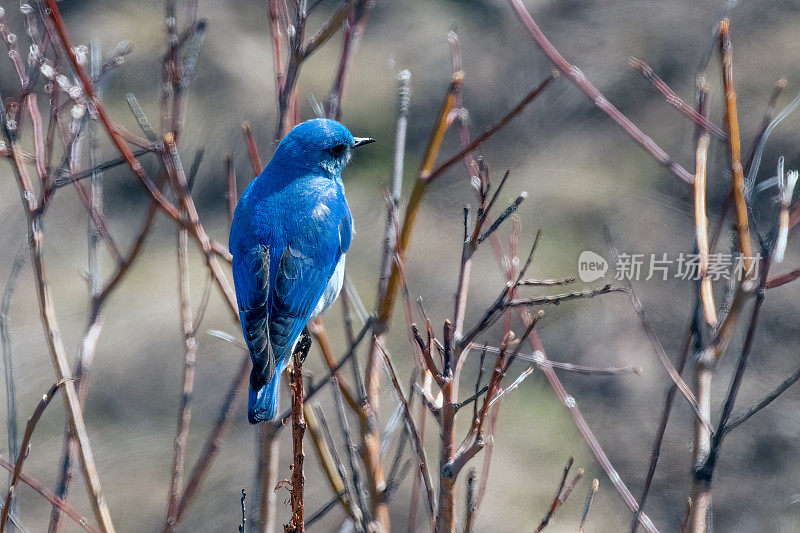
(262,404)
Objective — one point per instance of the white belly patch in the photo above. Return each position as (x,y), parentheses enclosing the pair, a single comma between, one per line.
(332,290)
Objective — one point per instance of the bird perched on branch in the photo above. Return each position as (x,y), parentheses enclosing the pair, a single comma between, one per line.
(289,236)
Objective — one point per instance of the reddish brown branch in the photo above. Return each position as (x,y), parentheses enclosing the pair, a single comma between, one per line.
(588,435)
(578,78)
(231,194)
(562,493)
(252,149)
(783,279)
(296,523)
(192,224)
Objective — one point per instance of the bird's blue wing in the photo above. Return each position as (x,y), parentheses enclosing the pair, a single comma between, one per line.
(304,269)
(251,275)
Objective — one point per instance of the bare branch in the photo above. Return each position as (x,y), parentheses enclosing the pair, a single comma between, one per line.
(23,453)
(578,78)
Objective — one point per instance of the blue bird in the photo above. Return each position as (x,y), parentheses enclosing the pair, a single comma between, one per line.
(290,233)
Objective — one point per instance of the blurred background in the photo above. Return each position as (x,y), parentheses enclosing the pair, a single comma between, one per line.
(580,171)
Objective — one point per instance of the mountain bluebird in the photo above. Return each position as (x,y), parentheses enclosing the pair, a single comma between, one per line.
(289,236)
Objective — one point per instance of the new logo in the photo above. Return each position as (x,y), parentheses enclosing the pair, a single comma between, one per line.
(591,266)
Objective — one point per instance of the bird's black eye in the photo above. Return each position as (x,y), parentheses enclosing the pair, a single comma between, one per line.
(338,150)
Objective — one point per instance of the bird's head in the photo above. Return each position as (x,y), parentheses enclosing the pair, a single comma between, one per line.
(319,143)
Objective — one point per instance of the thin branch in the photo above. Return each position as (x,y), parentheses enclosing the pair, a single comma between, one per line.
(230,405)
(674,375)
(588,504)
(323,510)
(252,149)
(141,117)
(783,279)
(704,473)
(675,100)
(556,299)
(8,363)
(68,178)
(545,282)
(594,445)
(655,452)
(497,126)
(473,398)
(54,500)
(700,218)
(23,453)
(559,498)
(540,360)
(244,513)
(510,210)
(422,461)
(352,30)
(231,193)
(189,365)
(768,399)
(350,449)
(578,78)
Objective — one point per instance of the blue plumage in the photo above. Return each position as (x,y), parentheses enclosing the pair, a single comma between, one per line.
(289,236)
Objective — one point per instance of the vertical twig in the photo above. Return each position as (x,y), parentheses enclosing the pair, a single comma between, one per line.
(422,461)
(296,523)
(353,29)
(8,362)
(95,322)
(699,518)
(389,244)
(700,218)
(189,364)
(588,504)
(231,194)
(732,121)
(252,149)
(244,513)
(701,493)
(469,504)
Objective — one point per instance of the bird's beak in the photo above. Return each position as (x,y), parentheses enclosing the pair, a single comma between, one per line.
(360,141)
